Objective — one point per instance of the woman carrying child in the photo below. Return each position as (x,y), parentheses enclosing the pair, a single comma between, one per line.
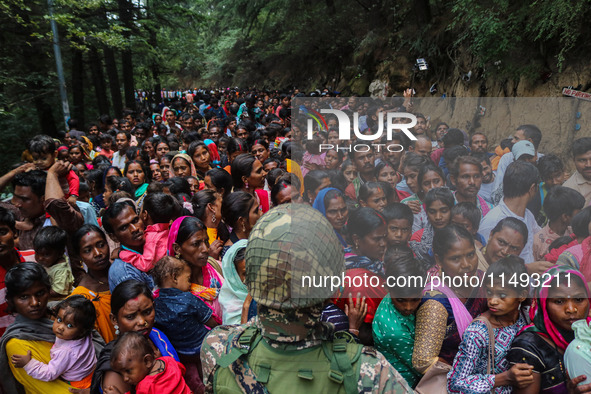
(184,318)
(471,372)
(32,333)
(73,356)
(132,309)
(188,241)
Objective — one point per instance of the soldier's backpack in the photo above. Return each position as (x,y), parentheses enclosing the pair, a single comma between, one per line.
(256,367)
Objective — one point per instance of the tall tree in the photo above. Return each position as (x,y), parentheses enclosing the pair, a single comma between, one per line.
(77,87)
(98,80)
(126,16)
(114,87)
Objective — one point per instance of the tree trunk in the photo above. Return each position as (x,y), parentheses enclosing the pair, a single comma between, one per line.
(114,87)
(78,87)
(45,116)
(98,81)
(126,17)
(127,66)
(422,11)
(156,97)
(35,61)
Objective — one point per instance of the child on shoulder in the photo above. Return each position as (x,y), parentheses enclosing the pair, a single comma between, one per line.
(158,211)
(50,252)
(44,153)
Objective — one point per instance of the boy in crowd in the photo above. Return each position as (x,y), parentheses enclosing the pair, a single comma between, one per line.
(467,215)
(560,205)
(50,251)
(399,219)
(44,153)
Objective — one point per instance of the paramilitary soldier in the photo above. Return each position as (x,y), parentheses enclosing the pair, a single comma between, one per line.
(286,348)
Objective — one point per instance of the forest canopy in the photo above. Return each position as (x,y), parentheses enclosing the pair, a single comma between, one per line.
(110,48)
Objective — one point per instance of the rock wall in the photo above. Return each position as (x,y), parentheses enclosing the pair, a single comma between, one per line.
(507,103)
(498,118)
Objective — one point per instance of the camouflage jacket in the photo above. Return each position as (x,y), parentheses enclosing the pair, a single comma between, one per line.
(376,373)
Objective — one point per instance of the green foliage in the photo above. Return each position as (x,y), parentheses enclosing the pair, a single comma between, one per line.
(559,19)
(501,30)
(343,44)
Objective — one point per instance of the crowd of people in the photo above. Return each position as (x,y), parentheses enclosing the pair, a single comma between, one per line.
(153,252)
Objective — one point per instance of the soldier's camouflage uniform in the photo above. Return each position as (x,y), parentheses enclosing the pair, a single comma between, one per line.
(290,241)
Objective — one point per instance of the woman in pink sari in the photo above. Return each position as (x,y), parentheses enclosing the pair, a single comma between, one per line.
(188,241)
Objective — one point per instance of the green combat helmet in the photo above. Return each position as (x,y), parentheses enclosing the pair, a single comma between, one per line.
(288,243)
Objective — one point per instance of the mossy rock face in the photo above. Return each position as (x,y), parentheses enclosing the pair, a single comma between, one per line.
(359,86)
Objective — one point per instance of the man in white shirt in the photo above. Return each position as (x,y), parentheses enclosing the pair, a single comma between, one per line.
(520,186)
(122,140)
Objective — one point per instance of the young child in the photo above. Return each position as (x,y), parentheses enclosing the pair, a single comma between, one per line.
(438,204)
(73,357)
(179,314)
(427,176)
(133,358)
(84,192)
(372,194)
(394,322)
(50,252)
(44,153)
(63,153)
(349,170)
(106,145)
(399,219)
(560,206)
(467,215)
(313,158)
(469,370)
(158,211)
